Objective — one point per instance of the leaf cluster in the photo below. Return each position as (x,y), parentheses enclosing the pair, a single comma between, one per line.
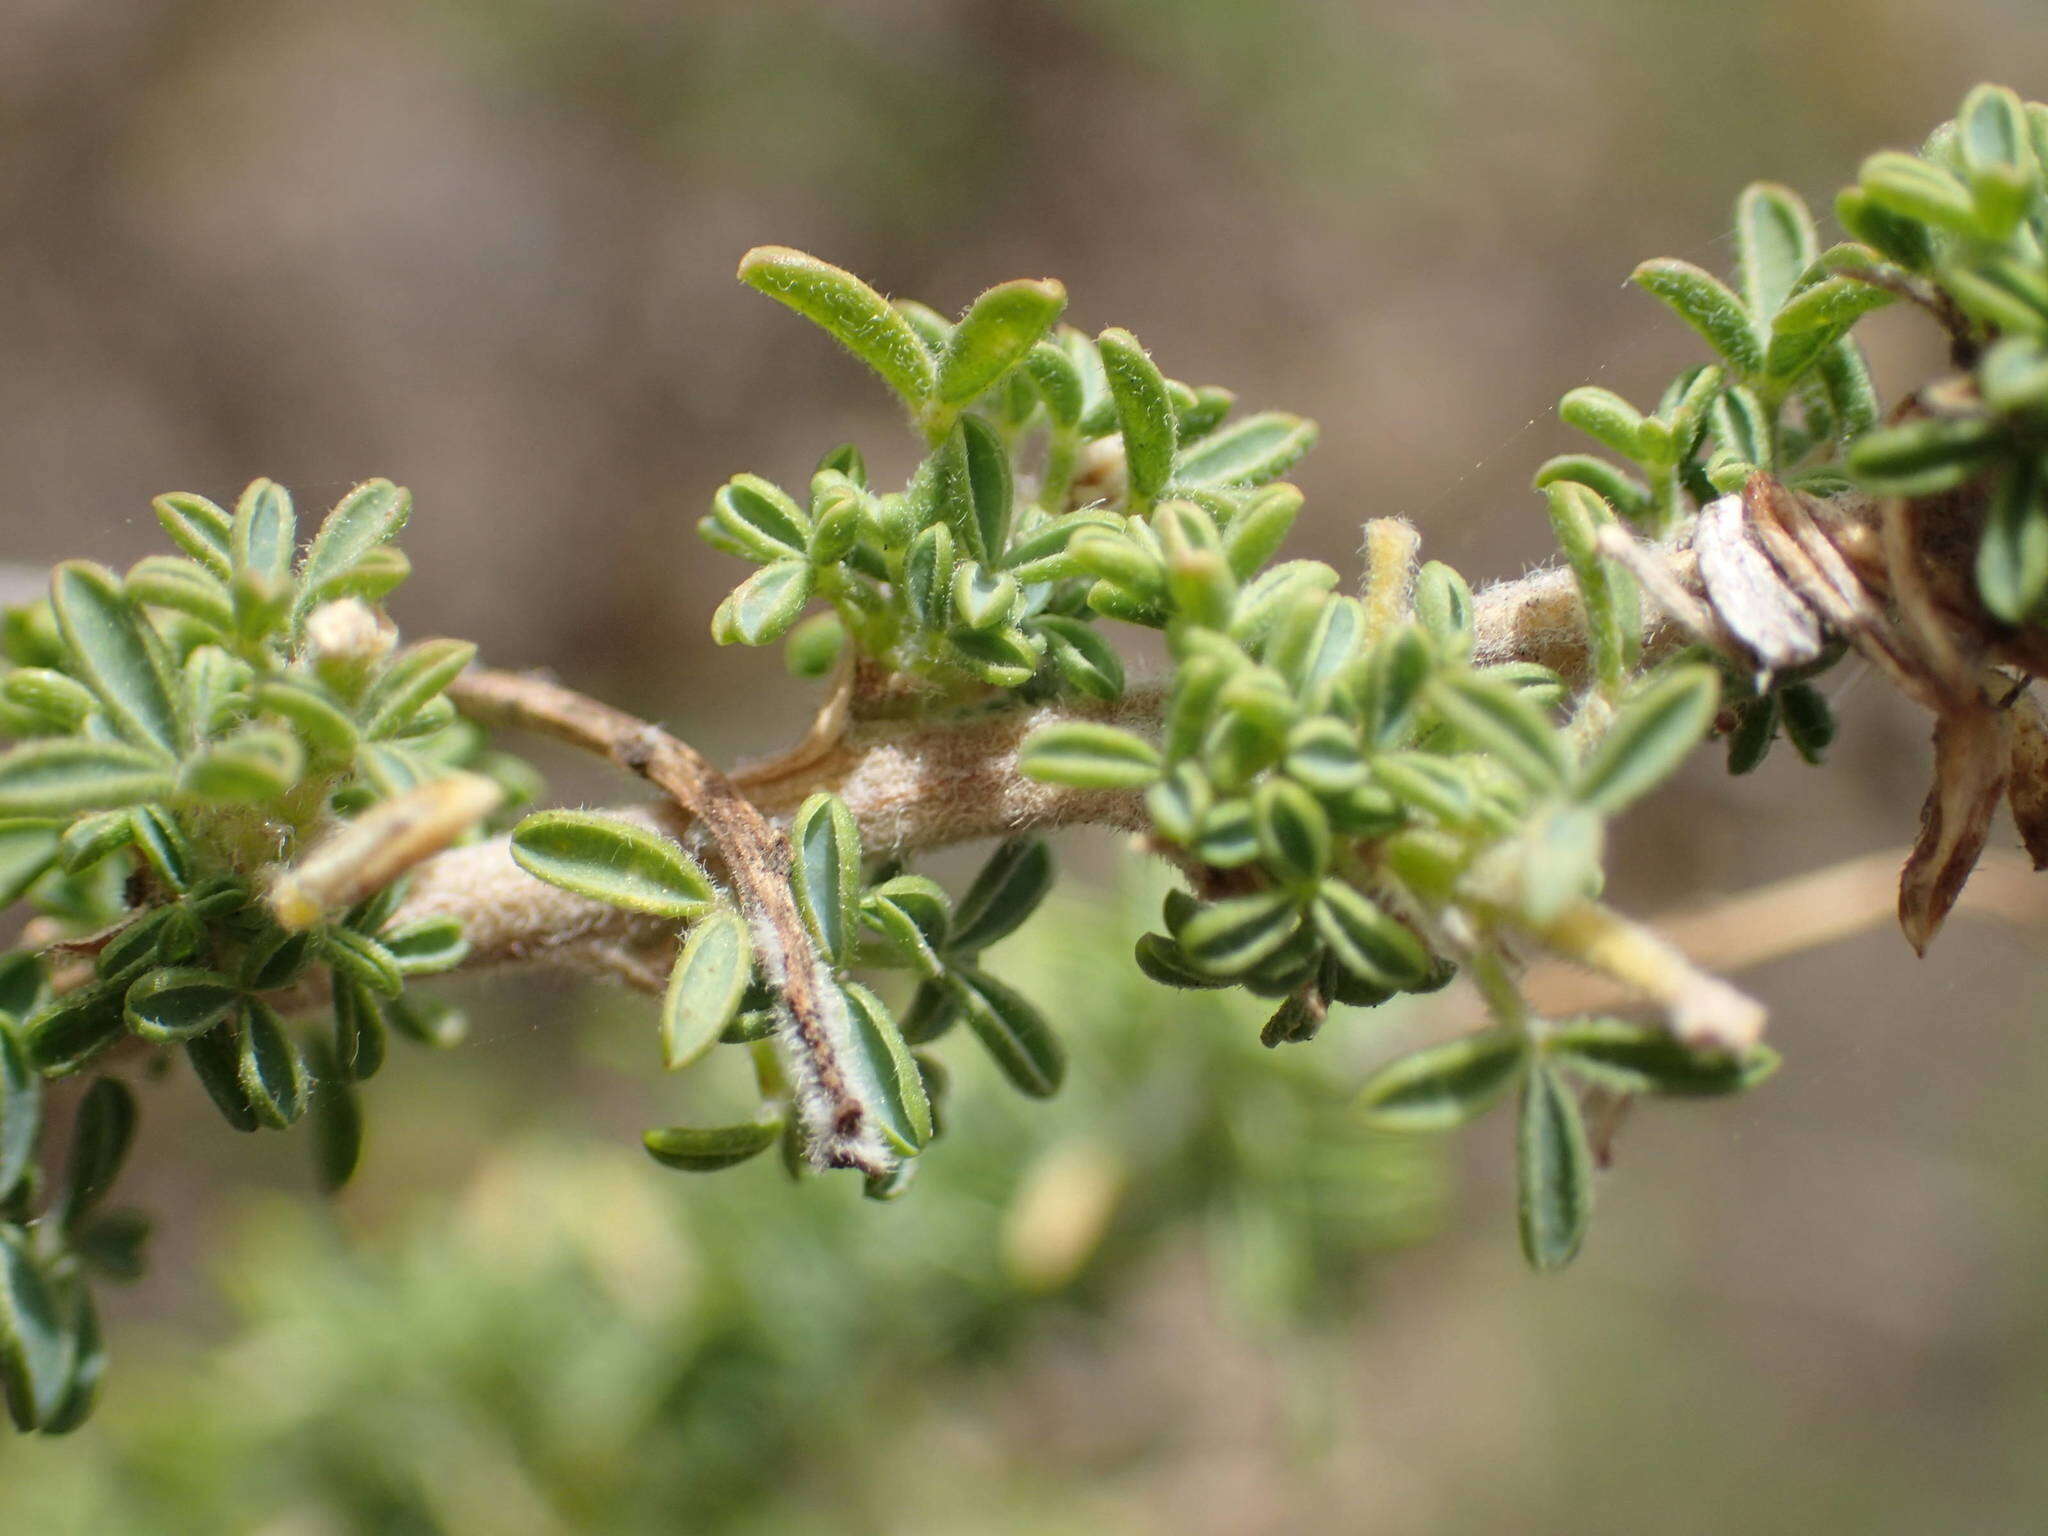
(180,732)
(863,916)
(967,578)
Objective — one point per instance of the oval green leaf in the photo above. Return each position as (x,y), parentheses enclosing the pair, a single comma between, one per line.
(704,989)
(612,861)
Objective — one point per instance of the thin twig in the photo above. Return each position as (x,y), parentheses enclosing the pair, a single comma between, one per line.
(756,858)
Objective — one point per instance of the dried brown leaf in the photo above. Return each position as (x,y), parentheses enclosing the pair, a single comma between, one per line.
(2026,785)
(1970,754)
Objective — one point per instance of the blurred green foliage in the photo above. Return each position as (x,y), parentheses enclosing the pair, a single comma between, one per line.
(580,1342)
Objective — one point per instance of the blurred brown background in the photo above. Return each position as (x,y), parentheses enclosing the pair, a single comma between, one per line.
(487,248)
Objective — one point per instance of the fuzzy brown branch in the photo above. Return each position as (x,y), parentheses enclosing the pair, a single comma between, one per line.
(755,858)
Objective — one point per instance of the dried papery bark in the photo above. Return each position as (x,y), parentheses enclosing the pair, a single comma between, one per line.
(1748,594)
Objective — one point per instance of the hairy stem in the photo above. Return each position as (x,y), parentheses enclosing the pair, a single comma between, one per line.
(755,855)
(914,785)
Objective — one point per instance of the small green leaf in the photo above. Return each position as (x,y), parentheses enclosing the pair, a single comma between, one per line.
(1087,755)
(990,493)
(1704,302)
(1756,727)
(1651,735)
(827,872)
(252,765)
(116,654)
(612,861)
(1225,835)
(178,1003)
(357,954)
(1293,831)
(1084,660)
(894,938)
(1144,413)
(113,1244)
(264,531)
(1012,1031)
(269,1067)
(337,1115)
(1627,495)
(328,733)
(1177,802)
(1809,720)
(1256,533)
(1163,960)
(360,521)
(856,316)
(1602,414)
(1925,457)
(764,607)
(362,1037)
(100,1139)
(431,1021)
(981,599)
(705,988)
(416,675)
(999,329)
(1443,1087)
(933,1010)
(1230,937)
(1117,558)
(1204,413)
(1248,452)
(815,646)
(1903,240)
(928,576)
(1911,188)
(1005,657)
(837,527)
(921,901)
(276,959)
(198,527)
(932,328)
(427,947)
(183,586)
(216,1060)
(1494,717)
(887,1078)
(1636,1058)
(1554,1167)
(1004,894)
(163,846)
(134,946)
(28,847)
(70,1031)
(35,1361)
(1390,683)
(21,1106)
(1058,383)
(1443,606)
(2012,556)
(1369,942)
(706,1150)
(1851,396)
(1775,242)
(1815,320)
(1323,753)
(761,519)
